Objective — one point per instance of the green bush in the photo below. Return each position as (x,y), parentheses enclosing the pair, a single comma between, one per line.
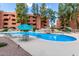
(5,30)
(2,44)
(34,28)
(68,30)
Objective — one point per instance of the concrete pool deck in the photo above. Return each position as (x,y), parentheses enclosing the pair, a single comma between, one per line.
(40,47)
(12,48)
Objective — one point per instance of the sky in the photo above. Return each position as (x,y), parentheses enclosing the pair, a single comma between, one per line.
(10,7)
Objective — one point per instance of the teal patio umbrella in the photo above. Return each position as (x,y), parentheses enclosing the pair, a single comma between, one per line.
(24,27)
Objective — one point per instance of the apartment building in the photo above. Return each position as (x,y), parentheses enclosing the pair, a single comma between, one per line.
(8,20)
(37,22)
(72,23)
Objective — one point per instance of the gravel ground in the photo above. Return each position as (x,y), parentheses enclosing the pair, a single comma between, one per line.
(12,49)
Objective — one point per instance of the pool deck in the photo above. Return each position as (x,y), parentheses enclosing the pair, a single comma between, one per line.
(12,49)
(40,47)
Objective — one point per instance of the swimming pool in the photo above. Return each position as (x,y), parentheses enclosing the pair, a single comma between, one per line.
(52,37)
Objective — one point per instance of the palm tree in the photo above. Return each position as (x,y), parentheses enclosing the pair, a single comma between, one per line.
(35,9)
(43,11)
(67,13)
(72,11)
(51,16)
(22,10)
(62,13)
(77,16)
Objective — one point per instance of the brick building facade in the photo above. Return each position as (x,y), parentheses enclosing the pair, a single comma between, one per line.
(8,20)
(72,23)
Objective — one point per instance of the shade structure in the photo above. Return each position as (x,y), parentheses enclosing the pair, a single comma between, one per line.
(24,27)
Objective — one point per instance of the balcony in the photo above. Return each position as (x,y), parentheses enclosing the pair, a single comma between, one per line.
(13,20)
(5,23)
(5,26)
(12,15)
(13,23)
(32,22)
(13,27)
(6,19)
(6,15)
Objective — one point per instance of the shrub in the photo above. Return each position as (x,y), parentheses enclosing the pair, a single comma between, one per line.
(5,29)
(34,28)
(2,44)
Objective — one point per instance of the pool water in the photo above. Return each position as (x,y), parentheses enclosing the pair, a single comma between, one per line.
(52,37)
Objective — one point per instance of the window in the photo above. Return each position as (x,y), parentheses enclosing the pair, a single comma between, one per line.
(34,20)
(5,19)
(34,24)
(28,20)
(44,21)
(13,19)
(5,23)
(5,27)
(5,14)
(44,24)
(34,17)
(13,15)
(14,23)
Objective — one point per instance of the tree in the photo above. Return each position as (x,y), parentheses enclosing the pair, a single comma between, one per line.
(22,10)
(71,11)
(77,16)
(35,9)
(51,16)
(43,11)
(62,13)
(67,13)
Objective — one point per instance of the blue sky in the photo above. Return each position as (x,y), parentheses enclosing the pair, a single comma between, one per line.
(10,7)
